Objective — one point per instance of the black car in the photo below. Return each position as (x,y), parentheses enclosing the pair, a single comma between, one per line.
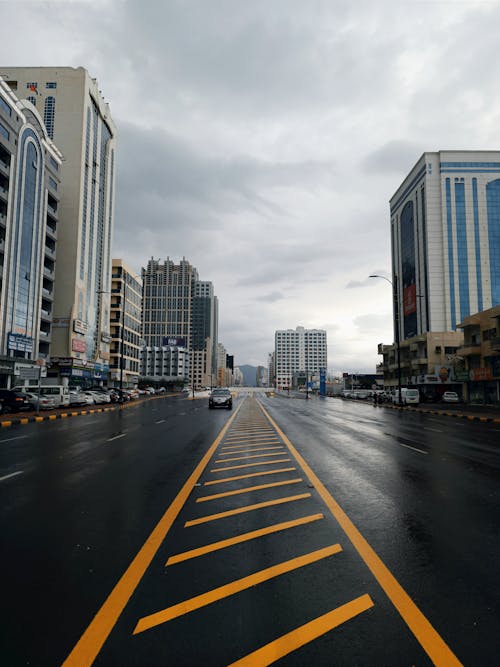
(220,398)
(14,401)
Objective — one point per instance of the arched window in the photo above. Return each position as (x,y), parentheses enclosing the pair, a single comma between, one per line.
(49,114)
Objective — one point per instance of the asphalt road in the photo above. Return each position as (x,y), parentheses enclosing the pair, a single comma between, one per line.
(333,533)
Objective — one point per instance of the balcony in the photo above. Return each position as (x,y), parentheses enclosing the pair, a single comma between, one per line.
(49,273)
(4,193)
(50,252)
(51,231)
(4,166)
(47,294)
(45,315)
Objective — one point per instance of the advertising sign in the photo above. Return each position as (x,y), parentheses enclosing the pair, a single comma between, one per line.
(78,345)
(60,322)
(176,342)
(79,326)
(19,343)
(480,374)
(444,373)
(410,299)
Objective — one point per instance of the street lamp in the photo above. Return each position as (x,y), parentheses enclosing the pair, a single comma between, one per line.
(396,321)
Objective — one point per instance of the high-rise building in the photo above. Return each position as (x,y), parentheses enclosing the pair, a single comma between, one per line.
(298,351)
(125,325)
(445,231)
(271,369)
(79,121)
(30,169)
(167,301)
(203,333)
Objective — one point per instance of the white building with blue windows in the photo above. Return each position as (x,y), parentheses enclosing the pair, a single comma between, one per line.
(445,233)
(30,167)
(79,120)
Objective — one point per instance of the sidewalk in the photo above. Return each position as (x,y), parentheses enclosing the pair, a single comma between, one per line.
(472,412)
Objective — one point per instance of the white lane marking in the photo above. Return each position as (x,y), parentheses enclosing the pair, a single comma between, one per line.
(115,437)
(160,421)
(18,437)
(12,474)
(421,451)
(436,430)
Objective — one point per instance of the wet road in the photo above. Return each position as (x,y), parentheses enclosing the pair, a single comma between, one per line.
(81,498)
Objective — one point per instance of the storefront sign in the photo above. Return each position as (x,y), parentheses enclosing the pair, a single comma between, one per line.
(481,374)
(462,376)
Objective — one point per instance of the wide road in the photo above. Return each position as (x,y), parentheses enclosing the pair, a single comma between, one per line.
(287,531)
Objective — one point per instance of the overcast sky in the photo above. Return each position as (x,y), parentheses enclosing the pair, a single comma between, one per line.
(262,140)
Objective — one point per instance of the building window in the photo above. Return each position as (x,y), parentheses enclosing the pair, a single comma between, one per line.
(51,84)
(5,107)
(32,85)
(4,132)
(49,114)
(32,99)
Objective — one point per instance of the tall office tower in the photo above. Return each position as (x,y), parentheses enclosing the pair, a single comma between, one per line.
(445,231)
(30,167)
(203,333)
(79,121)
(126,308)
(271,369)
(299,351)
(168,291)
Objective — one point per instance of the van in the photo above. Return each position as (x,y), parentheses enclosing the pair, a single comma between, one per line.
(59,393)
(408,396)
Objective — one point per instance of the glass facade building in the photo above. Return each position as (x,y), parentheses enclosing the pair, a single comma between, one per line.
(445,233)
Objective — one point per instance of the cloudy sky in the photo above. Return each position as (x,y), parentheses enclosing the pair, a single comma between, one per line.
(262,140)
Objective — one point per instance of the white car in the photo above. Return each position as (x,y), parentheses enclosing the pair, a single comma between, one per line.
(42,402)
(89,397)
(450,397)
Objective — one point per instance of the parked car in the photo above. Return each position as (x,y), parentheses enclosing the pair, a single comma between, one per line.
(14,401)
(450,397)
(161,390)
(89,397)
(77,398)
(41,402)
(220,398)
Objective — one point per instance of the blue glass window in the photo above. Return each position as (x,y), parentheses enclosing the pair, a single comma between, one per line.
(479,279)
(493,203)
(5,107)
(407,286)
(4,132)
(463,263)
(451,268)
(51,84)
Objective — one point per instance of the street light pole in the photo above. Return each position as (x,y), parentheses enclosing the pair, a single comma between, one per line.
(396,322)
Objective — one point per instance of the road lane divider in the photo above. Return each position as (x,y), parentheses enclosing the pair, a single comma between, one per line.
(251,474)
(244,537)
(252,449)
(187,606)
(433,644)
(252,456)
(90,643)
(247,508)
(250,465)
(12,474)
(247,489)
(305,634)
(415,449)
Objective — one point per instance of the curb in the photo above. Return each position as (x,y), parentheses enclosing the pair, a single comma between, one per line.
(458,415)
(74,413)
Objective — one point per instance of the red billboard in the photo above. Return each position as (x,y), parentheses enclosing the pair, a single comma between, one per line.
(410,299)
(78,345)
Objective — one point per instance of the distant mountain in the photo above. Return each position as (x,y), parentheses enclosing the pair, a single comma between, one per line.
(249,375)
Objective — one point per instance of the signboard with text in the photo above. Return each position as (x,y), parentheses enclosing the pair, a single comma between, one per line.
(172,341)
(78,345)
(19,343)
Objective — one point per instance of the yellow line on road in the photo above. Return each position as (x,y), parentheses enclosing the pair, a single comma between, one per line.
(214,496)
(245,458)
(252,474)
(244,443)
(250,465)
(244,537)
(148,622)
(252,449)
(90,643)
(247,508)
(304,634)
(432,643)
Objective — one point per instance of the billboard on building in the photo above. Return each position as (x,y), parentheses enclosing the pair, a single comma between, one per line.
(169,341)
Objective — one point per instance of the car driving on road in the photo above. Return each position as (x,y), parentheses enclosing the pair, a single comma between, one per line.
(220,398)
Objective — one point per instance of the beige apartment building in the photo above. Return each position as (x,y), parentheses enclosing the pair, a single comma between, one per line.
(79,121)
(125,325)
